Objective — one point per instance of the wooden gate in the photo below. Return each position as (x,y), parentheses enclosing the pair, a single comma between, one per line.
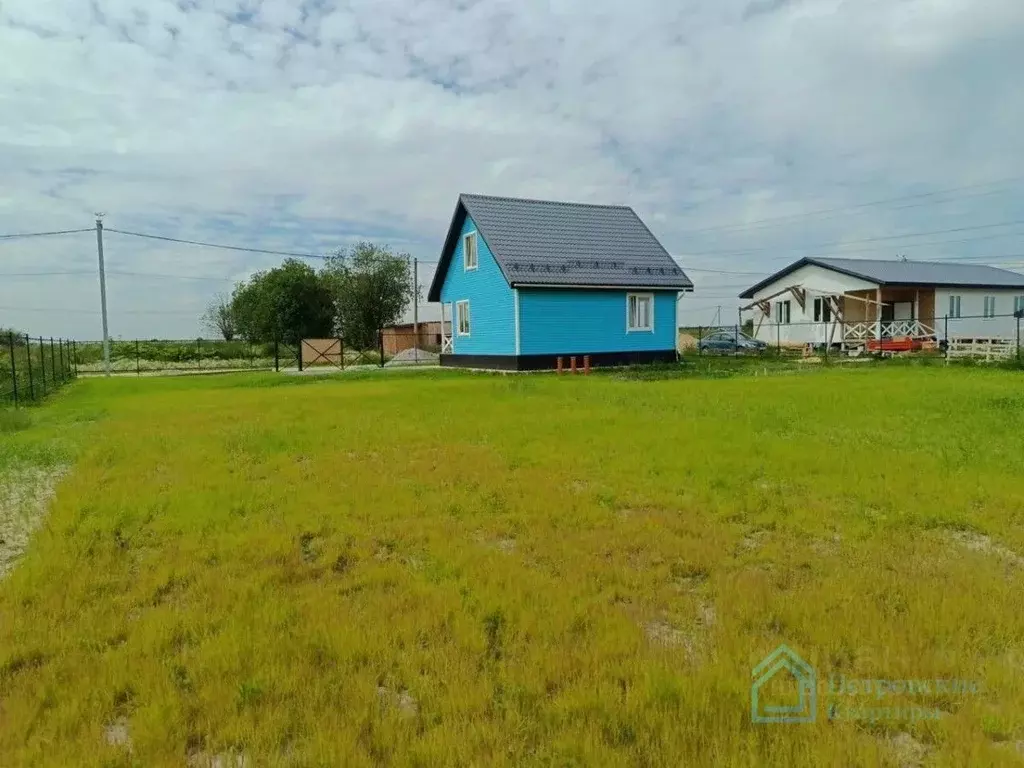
(323,352)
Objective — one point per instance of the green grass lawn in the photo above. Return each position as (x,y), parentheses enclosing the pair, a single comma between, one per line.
(454,569)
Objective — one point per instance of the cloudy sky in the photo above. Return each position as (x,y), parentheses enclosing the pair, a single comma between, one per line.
(747,133)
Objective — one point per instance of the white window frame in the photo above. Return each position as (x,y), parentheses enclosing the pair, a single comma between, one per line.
(630,298)
(822,310)
(989,307)
(783,312)
(458,318)
(954,306)
(470,237)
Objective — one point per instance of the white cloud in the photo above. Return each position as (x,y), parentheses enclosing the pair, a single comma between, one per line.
(300,126)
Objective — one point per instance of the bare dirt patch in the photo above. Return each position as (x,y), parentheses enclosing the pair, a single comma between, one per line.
(25,494)
(979,542)
(117,734)
(908,751)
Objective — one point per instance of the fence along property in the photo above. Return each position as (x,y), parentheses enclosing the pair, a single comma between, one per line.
(32,368)
(988,337)
(392,349)
(140,356)
(184,356)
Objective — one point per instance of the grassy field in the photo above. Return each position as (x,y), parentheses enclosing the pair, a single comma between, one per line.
(443,569)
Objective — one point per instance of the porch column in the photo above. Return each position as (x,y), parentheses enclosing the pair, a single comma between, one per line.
(878,311)
(443,337)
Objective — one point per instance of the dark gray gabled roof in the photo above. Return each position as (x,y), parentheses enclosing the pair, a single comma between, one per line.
(542,243)
(906,273)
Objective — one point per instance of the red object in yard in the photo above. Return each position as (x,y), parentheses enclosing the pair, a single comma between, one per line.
(559,365)
(901,344)
(586,364)
(572,364)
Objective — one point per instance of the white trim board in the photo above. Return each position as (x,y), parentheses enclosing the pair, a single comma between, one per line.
(631,288)
(515,296)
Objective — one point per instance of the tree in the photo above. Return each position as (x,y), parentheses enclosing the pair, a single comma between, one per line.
(372,287)
(220,318)
(287,303)
(5,338)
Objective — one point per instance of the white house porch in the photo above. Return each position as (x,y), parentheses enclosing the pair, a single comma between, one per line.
(804,315)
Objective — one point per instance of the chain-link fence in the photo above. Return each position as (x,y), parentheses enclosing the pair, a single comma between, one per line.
(142,356)
(988,337)
(33,367)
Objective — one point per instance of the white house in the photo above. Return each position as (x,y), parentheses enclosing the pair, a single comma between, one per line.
(852,301)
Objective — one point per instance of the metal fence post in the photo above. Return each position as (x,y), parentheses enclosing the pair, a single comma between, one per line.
(60,350)
(700,337)
(138,362)
(277,357)
(53,364)
(14,365)
(778,337)
(74,355)
(199,354)
(341,351)
(28,358)
(42,363)
(300,355)
(380,344)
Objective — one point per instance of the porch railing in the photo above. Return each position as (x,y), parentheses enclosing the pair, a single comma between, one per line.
(446,344)
(890,329)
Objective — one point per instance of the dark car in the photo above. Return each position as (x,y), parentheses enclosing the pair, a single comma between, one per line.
(725,341)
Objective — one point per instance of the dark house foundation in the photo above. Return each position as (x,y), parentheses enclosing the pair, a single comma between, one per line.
(550,362)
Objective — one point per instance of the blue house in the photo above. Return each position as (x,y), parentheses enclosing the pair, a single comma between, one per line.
(524,282)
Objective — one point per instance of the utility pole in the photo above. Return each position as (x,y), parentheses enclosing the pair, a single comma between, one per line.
(103,293)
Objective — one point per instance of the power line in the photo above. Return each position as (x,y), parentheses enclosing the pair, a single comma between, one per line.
(95,312)
(840,244)
(46,274)
(162,276)
(45,234)
(219,245)
(171,277)
(50,309)
(796,216)
(718,271)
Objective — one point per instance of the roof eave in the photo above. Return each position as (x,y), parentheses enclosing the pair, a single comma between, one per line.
(606,286)
(434,293)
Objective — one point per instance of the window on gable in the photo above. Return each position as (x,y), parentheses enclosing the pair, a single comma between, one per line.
(462,317)
(639,312)
(469,260)
(782,312)
(954,306)
(990,306)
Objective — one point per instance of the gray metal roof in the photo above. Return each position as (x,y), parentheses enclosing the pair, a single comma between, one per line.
(906,273)
(538,242)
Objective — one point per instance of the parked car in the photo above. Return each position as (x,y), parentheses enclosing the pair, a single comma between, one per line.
(726,341)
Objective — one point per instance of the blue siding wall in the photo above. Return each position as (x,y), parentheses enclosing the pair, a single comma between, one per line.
(557,321)
(491,302)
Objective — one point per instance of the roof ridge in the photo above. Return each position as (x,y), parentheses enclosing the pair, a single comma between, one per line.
(545,202)
(914,261)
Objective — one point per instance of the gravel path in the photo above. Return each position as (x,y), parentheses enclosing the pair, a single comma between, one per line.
(25,494)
